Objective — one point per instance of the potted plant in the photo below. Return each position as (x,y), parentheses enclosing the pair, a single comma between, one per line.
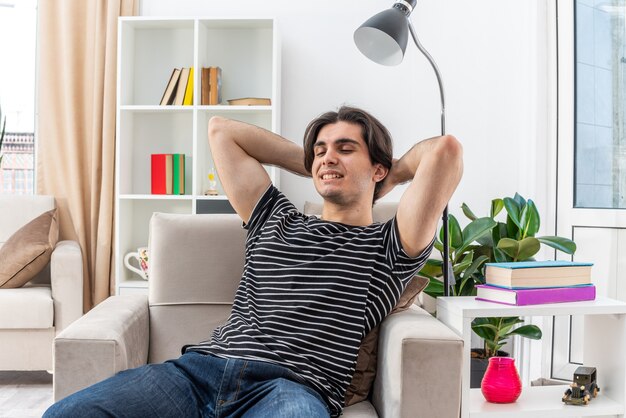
(484,240)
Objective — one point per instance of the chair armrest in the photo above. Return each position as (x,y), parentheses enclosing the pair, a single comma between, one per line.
(110,338)
(66,280)
(419,367)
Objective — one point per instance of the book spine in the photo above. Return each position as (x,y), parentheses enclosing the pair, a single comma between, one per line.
(215,81)
(188,100)
(205,86)
(168,173)
(556,295)
(178,181)
(158,173)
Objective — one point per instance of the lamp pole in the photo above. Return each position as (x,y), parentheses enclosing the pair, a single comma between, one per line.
(383,39)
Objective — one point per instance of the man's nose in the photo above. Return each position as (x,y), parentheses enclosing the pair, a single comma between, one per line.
(330,157)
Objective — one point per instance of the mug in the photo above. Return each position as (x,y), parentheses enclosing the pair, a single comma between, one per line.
(141,256)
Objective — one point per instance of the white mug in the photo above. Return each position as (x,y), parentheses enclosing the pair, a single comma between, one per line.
(141,257)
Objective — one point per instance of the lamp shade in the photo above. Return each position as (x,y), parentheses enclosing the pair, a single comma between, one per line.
(383,37)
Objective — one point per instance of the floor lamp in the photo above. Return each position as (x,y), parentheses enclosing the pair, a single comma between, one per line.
(383,38)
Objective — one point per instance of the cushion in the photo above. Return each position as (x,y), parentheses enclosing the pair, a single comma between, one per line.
(28,250)
(26,308)
(367,359)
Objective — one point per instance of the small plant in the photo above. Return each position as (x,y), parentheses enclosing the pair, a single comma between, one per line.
(496,331)
(489,240)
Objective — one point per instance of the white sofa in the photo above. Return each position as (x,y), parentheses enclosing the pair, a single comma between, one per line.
(32,315)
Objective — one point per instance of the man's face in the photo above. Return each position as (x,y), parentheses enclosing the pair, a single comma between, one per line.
(342,170)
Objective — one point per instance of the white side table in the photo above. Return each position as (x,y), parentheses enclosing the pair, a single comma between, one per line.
(605,349)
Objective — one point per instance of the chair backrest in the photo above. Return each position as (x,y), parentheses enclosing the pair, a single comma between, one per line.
(196,263)
(17,210)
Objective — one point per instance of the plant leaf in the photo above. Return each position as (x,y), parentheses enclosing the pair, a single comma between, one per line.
(433,267)
(434,288)
(534,221)
(500,256)
(519,199)
(456,237)
(513,210)
(528,331)
(475,266)
(528,247)
(439,246)
(509,246)
(562,244)
(475,230)
(468,212)
(496,207)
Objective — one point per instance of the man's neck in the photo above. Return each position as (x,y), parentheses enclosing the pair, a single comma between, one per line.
(355,215)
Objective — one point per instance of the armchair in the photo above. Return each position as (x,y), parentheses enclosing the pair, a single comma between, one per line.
(31,316)
(195,266)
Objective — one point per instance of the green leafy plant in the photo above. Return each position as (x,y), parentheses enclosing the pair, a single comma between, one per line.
(487,240)
(495,332)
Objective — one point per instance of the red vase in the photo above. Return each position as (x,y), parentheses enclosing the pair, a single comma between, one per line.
(501,383)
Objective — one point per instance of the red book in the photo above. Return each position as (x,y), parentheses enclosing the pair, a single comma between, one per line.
(535,295)
(161,171)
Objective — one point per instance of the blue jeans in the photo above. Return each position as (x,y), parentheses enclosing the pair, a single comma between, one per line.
(196,385)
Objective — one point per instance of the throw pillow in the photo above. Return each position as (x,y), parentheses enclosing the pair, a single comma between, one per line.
(367,359)
(28,250)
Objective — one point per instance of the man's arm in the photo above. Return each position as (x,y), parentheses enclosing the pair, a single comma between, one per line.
(239,150)
(434,167)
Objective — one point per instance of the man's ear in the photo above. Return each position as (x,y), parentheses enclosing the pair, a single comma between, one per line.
(380,172)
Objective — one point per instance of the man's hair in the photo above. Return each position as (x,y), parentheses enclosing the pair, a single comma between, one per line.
(376,136)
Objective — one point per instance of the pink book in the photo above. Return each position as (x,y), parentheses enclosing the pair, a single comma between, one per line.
(535,296)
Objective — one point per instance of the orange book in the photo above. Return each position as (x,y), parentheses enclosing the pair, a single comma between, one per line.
(215,81)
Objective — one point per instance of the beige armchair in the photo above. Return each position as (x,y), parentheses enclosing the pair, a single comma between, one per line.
(195,266)
(31,316)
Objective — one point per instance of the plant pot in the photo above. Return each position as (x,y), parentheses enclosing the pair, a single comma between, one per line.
(501,383)
(478,366)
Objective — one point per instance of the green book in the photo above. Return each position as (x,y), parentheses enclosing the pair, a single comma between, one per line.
(178,169)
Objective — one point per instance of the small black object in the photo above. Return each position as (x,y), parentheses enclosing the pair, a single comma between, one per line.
(583,388)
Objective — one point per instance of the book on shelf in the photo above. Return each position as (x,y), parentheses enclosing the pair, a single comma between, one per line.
(182,86)
(538,273)
(161,173)
(205,88)
(535,295)
(178,173)
(215,85)
(170,88)
(188,99)
(250,101)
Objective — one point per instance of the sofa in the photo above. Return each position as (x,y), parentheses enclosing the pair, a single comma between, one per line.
(32,315)
(195,265)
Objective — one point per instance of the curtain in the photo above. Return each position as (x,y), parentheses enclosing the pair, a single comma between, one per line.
(76,94)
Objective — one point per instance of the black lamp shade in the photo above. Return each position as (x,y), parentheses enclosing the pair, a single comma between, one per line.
(383,37)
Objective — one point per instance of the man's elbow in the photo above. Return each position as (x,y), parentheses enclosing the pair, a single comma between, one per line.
(450,148)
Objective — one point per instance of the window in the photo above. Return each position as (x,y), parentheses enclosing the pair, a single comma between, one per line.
(600,169)
(18,26)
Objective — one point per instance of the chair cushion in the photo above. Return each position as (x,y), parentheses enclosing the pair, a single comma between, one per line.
(28,250)
(26,308)
(367,359)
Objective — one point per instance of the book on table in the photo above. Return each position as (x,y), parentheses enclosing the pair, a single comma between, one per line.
(538,273)
(535,295)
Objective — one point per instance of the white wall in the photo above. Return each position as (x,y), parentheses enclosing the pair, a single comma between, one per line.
(493,55)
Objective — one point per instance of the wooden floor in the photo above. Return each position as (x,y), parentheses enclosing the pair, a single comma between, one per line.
(25,394)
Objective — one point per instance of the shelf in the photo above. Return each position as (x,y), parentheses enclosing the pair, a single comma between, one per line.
(155,108)
(136,283)
(542,402)
(155,196)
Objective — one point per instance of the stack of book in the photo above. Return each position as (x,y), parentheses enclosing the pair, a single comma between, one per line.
(168,173)
(179,88)
(536,282)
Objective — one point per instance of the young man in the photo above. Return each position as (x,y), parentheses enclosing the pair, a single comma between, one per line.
(311,288)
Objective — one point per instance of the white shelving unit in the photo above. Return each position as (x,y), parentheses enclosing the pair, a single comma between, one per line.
(247,50)
(605,345)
